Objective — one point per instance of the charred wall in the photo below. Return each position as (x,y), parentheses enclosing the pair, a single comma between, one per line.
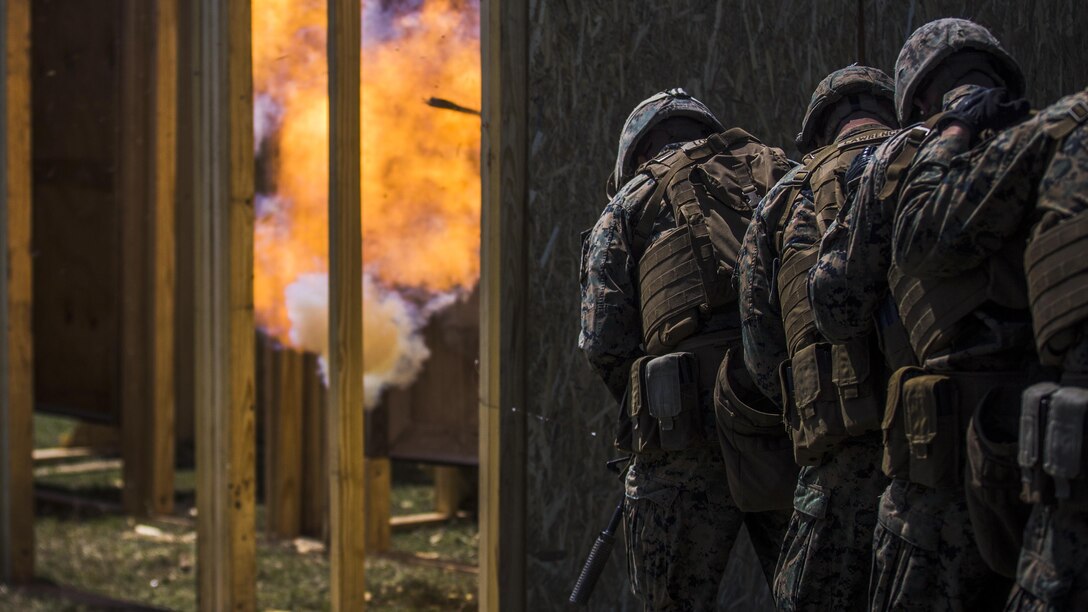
(753,62)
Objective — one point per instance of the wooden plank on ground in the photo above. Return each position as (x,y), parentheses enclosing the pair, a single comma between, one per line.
(347,552)
(16,341)
(283,447)
(223,176)
(504,41)
(315,472)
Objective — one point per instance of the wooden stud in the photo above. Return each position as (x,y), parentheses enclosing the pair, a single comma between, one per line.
(504,45)
(315,474)
(449,489)
(347,552)
(283,448)
(223,176)
(16,341)
(379,504)
(148,170)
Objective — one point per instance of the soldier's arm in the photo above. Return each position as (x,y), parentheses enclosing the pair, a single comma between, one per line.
(959,206)
(763,336)
(611,329)
(850,275)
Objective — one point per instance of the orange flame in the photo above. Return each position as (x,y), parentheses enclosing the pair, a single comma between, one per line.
(420,169)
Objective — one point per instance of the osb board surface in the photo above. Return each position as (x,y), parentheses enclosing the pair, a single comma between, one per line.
(436,418)
(75,79)
(755,64)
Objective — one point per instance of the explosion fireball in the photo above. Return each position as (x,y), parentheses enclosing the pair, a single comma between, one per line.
(420,174)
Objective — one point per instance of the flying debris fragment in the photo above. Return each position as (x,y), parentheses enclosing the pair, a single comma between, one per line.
(449,105)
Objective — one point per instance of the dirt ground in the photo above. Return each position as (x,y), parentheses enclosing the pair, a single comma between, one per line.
(151,562)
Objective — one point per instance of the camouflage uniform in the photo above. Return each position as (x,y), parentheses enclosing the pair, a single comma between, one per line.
(680,520)
(827,552)
(961,209)
(925,554)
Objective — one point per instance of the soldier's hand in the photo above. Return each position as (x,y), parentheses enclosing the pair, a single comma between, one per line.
(987,109)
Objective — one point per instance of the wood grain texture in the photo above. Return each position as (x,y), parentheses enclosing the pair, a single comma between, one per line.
(347,552)
(503,294)
(16,340)
(283,447)
(755,63)
(379,504)
(223,175)
(315,462)
(148,171)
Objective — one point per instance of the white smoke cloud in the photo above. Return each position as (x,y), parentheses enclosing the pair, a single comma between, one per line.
(393,348)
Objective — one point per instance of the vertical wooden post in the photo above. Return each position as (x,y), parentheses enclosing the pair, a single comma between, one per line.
(224,325)
(16,346)
(504,47)
(315,477)
(283,447)
(148,195)
(345,412)
(379,504)
(449,488)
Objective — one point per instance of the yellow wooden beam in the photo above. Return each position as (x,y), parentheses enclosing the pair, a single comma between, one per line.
(345,412)
(16,339)
(223,178)
(504,46)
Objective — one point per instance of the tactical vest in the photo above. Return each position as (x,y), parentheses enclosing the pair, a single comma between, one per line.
(828,392)
(1055,262)
(685,273)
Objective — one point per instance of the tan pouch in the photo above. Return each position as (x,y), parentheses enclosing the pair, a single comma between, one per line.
(672,399)
(931,422)
(643,426)
(850,372)
(818,414)
(757,452)
(896,462)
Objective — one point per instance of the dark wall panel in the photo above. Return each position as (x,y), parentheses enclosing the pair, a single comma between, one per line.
(755,64)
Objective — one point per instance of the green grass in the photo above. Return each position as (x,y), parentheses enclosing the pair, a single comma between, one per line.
(153,562)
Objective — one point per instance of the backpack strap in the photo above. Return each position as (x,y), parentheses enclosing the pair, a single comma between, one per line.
(664,171)
(913,140)
(1074,116)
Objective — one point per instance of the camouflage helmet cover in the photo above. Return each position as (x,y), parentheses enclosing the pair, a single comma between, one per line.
(650,112)
(853,79)
(933,43)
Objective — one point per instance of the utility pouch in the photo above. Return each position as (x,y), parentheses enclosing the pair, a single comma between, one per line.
(813,413)
(757,452)
(896,462)
(1063,452)
(931,422)
(672,394)
(643,425)
(993,480)
(850,372)
(1034,486)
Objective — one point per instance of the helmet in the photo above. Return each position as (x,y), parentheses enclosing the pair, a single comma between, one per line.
(652,111)
(933,43)
(853,79)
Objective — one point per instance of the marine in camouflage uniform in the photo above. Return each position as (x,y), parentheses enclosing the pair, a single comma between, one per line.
(960,209)
(680,519)
(827,552)
(925,551)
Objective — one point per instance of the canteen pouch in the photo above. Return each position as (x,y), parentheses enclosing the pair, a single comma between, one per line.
(896,461)
(757,452)
(1063,450)
(672,399)
(1034,486)
(993,479)
(850,372)
(931,422)
(812,413)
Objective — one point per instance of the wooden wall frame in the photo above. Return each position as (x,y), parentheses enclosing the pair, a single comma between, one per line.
(504,172)
(224,334)
(16,346)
